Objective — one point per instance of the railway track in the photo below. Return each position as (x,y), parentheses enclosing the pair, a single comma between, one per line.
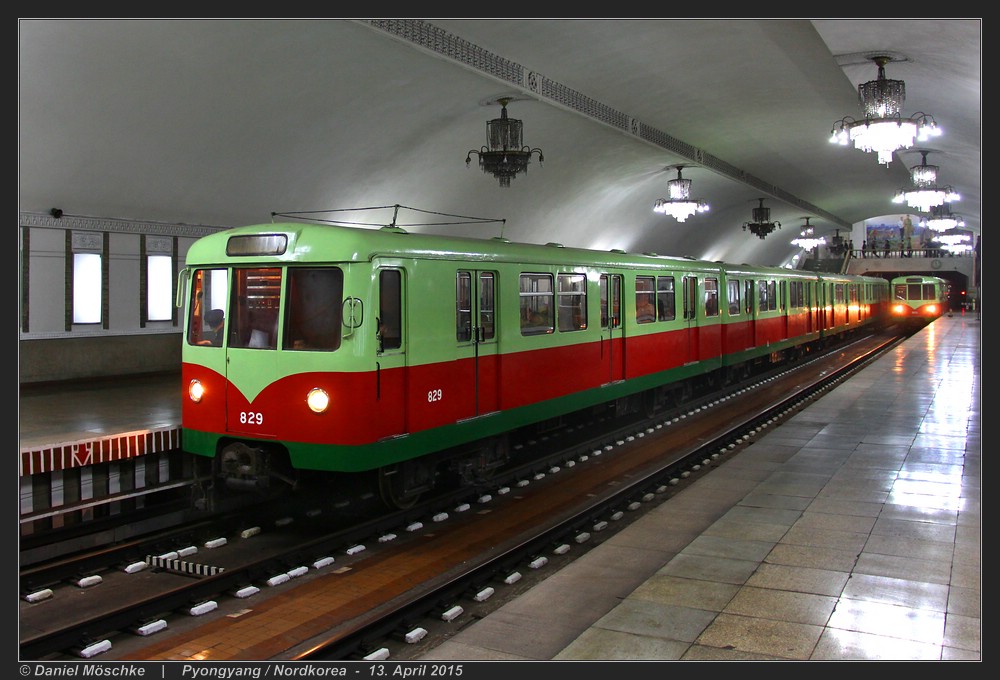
(472,548)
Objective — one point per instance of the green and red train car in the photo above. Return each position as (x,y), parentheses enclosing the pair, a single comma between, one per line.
(918,299)
(412,356)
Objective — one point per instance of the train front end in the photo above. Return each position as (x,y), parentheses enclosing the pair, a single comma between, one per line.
(273,370)
(918,298)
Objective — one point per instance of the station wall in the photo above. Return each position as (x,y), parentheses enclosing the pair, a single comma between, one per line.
(53,348)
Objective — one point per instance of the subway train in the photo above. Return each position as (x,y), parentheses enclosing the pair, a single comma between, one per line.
(918,299)
(408,359)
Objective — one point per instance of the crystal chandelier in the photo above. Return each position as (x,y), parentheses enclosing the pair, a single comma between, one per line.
(680,205)
(957,248)
(883,130)
(806,238)
(942,219)
(926,194)
(954,241)
(953,238)
(505,156)
(761,224)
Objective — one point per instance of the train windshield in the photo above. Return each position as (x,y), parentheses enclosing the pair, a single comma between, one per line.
(914,291)
(312,312)
(206,322)
(253,314)
(313,309)
(313,300)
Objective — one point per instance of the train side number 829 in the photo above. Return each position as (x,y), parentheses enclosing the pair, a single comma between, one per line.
(251,418)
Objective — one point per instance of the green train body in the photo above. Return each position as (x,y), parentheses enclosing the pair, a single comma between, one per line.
(917,298)
(352,350)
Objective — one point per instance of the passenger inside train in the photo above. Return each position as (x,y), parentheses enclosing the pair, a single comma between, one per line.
(215,319)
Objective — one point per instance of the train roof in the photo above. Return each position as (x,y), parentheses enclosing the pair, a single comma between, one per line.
(308,242)
(918,278)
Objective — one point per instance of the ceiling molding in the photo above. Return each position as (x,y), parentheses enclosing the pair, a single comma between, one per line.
(438,41)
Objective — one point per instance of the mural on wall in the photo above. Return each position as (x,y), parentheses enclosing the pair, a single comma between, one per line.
(909,236)
(906,231)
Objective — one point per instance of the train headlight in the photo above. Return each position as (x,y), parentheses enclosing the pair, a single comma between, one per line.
(932,309)
(318,400)
(196,391)
(898,309)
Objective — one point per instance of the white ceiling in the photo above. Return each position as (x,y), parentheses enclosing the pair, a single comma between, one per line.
(225,122)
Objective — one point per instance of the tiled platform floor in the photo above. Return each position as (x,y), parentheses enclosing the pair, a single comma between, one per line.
(851,532)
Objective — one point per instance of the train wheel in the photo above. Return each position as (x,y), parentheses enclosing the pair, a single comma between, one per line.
(401,485)
(651,402)
(494,455)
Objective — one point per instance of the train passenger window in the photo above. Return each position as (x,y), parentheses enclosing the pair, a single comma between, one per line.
(796,294)
(611,294)
(487,305)
(536,304)
(666,304)
(464,312)
(733,293)
(572,300)
(748,296)
(711,297)
(209,290)
(768,296)
(603,289)
(690,290)
(313,306)
(253,314)
(463,306)
(390,316)
(645,296)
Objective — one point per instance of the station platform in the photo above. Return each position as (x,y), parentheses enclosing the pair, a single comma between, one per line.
(67,425)
(851,532)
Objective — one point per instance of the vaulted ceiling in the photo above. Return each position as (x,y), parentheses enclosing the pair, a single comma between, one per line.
(227,122)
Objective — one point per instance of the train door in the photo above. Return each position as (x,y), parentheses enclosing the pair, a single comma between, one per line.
(689,288)
(825,304)
(390,354)
(476,333)
(783,309)
(762,326)
(710,333)
(612,328)
(749,293)
(812,303)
